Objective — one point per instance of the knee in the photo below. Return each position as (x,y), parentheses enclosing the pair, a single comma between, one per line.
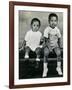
(46,52)
(27,49)
(38,51)
(58,53)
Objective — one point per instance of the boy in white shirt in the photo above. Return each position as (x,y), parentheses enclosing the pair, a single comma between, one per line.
(52,37)
(32,39)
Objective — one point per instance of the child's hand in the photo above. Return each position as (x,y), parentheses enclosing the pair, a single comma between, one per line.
(41,40)
(22,45)
(41,46)
(60,43)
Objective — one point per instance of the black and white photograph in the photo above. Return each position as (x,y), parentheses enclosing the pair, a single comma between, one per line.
(40,44)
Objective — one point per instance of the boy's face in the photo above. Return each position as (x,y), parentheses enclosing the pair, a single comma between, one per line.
(35,26)
(53,22)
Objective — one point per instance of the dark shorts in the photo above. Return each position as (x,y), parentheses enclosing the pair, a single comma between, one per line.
(33,53)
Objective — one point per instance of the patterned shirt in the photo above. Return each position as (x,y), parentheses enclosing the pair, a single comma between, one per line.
(52,35)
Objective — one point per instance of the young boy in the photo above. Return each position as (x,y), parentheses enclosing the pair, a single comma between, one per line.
(52,37)
(32,39)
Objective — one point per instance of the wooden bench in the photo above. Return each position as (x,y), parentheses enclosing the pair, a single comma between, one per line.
(52,56)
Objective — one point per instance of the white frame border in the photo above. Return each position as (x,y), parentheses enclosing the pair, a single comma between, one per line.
(16,58)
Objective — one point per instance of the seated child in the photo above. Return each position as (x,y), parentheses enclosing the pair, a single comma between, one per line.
(52,37)
(32,39)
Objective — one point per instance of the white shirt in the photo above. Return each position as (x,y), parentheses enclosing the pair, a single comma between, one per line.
(53,35)
(33,39)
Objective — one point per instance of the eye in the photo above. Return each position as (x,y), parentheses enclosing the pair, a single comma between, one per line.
(37,25)
(51,20)
(34,24)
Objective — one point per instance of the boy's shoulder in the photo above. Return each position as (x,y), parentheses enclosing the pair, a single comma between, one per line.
(47,29)
(39,33)
(29,31)
(57,29)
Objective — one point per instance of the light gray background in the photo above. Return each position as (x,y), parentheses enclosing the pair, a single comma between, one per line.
(25,18)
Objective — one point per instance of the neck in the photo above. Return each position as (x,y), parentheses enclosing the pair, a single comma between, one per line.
(52,27)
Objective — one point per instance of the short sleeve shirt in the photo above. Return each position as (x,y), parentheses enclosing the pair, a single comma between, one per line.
(53,35)
(33,39)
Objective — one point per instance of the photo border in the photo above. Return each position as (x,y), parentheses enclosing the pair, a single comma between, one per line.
(11,43)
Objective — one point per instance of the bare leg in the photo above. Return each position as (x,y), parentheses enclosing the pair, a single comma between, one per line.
(27,50)
(58,53)
(38,54)
(45,64)
(37,51)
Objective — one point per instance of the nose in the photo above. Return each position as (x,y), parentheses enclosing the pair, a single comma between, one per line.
(36,27)
(53,23)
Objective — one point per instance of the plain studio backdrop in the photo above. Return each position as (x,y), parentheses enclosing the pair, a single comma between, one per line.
(4,44)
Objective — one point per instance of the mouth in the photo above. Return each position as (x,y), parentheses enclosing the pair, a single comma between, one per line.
(53,25)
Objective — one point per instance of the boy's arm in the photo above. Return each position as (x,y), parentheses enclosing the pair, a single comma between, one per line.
(59,37)
(23,45)
(46,39)
(43,41)
(59,42)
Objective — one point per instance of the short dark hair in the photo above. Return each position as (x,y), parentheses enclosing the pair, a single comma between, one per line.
(35,19)
(52,15)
